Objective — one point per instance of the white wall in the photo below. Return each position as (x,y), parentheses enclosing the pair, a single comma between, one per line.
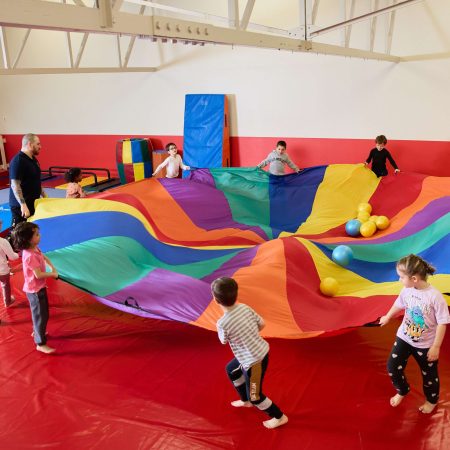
(272,93)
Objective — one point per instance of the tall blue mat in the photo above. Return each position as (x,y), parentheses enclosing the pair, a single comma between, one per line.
(206,135)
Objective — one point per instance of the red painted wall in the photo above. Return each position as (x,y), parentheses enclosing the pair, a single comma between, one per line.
(429,157)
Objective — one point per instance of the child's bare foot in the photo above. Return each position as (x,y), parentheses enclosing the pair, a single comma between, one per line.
(274,423)
(427,407)
(45,349)
(241,404)
(396,400)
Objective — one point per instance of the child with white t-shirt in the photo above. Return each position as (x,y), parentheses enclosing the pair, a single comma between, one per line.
(172,163)
(6,254)
(421,333)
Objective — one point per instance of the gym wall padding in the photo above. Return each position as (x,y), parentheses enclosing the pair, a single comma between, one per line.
(134,160)
(158,156)
(89,150)
(206,131)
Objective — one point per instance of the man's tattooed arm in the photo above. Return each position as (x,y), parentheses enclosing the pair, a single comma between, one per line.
(17,190)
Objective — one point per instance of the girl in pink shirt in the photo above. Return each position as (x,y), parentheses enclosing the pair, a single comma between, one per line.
(73,177)
(26,238)
(421,333)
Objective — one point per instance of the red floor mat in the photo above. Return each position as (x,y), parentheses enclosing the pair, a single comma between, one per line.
(123,382)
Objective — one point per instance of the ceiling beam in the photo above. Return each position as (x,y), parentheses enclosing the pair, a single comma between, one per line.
(58,16)
(5,49)
(390,31)
(348,30)
(378,12)
(105,9)
(247,14)
(22,46)
(315,9)
(233,13)
(68,70)
(131,43)
(373,26)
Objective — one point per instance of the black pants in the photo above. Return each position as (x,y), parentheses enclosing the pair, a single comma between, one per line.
(16,214)
(380,172)
(39,314)
(248,384)
(396,365)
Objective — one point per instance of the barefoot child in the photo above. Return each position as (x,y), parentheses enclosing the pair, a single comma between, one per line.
(6,254)
(421,333)
(240,326)
(26,238)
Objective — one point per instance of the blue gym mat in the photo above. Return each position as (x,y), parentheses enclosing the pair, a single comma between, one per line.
(5,211)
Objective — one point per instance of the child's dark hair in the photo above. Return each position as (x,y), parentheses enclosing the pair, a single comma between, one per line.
(72,174)
(22,234)
(381,139)
(415,265)
(170,144)
(282,144)
(225,291)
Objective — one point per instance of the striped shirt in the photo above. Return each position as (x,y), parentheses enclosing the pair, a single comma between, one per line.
(239,326)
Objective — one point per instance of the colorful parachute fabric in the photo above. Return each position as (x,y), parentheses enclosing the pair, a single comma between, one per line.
(153,247)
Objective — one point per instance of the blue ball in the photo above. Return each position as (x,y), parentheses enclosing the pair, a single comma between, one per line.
(352,227)
(342,255)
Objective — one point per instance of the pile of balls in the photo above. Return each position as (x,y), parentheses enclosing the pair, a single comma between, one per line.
(365,224)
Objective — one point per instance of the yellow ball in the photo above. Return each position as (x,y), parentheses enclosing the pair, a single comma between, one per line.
(363,216)
(329,286)
(382,222)
(366,207)
(368,228)
(373,218)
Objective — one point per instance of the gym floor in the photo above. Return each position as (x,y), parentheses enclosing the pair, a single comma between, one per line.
(121,381)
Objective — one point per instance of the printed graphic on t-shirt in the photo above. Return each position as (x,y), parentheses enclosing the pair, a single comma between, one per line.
(414,325)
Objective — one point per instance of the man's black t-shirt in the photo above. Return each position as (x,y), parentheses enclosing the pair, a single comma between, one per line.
(28,172)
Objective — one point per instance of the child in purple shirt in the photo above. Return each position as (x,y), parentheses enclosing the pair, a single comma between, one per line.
(421,332)
(26,238)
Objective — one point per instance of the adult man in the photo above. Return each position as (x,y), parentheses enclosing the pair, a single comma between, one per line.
(25,179)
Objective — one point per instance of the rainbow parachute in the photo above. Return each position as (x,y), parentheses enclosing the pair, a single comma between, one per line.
(153,247)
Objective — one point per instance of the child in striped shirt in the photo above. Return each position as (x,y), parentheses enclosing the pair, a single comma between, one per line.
(240,326)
